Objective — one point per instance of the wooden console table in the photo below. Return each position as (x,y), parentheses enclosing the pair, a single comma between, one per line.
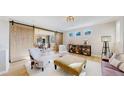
(80,49)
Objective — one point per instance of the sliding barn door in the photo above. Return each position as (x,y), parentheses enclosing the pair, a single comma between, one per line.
(21,40)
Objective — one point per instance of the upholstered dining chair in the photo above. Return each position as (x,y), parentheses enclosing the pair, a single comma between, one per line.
(35,55)
(63,50)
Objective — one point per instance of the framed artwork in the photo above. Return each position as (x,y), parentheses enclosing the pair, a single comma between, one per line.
(78,33)
(70,34)
(87,32)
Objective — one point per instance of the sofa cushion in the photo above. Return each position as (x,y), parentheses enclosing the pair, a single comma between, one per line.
(118,64)
(120,57)
(113,56)
(110,70)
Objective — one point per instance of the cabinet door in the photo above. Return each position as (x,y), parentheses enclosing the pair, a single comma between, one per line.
(86,50)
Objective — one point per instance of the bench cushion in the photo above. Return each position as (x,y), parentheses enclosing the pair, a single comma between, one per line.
(71,64)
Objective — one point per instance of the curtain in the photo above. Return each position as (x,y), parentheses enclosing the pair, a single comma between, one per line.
(21,39)
(59,40)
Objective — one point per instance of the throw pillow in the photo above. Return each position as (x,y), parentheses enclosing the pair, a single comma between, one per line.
(118,64)
(113,56)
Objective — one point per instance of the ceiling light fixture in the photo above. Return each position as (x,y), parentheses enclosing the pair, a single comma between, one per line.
(70,19)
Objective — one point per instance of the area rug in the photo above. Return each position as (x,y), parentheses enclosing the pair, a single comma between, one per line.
(92,69)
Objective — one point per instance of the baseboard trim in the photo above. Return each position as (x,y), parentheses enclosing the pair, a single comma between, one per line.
(3,72)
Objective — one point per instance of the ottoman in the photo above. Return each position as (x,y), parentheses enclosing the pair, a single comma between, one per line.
(71,64)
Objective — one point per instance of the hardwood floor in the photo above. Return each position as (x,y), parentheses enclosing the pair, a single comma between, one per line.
(18,68)
(92,58)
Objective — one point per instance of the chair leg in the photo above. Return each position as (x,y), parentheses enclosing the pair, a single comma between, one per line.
(85,66)
(42,69)
(55,67)
(32,64)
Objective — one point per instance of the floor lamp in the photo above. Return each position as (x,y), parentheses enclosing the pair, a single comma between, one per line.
(105,48)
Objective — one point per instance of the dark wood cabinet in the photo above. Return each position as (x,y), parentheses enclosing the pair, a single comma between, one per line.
(86,50)
(80,49)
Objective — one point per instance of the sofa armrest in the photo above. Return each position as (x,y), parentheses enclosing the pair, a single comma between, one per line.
(109,70)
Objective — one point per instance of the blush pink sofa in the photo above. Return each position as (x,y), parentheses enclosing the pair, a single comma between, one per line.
(109,70)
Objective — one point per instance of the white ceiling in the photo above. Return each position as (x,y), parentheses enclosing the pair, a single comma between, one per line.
(59,23)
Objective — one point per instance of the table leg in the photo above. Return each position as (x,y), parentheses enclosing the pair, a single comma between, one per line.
(55,67)
(42,69)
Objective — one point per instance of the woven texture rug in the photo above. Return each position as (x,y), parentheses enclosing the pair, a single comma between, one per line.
(92,69)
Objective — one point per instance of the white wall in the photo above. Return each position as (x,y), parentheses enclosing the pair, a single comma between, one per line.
(4,42)
(120,35)
(107,29)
